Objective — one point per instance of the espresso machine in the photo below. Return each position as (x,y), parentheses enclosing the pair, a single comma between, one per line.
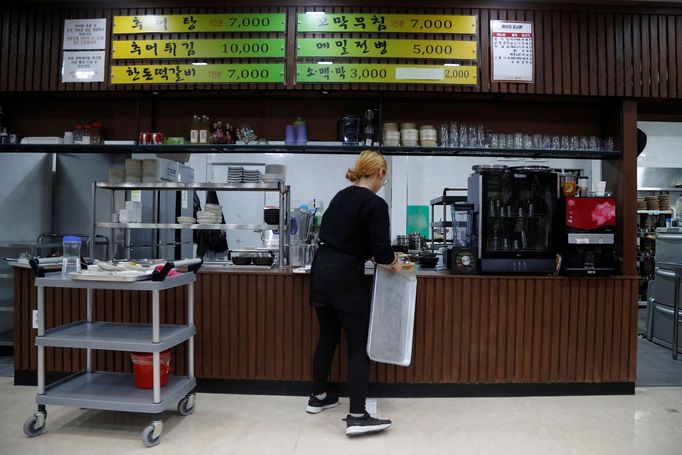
(589,239)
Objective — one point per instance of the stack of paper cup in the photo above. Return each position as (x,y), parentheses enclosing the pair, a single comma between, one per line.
(391,135)
(409,135)
(428,137)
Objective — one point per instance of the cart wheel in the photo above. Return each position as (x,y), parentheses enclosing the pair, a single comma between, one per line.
(186,405)
(148,438)
(34,425)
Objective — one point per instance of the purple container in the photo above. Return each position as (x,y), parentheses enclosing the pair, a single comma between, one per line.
(300,133)
(289,135)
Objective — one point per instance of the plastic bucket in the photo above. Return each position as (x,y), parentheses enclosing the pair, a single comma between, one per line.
(143,368)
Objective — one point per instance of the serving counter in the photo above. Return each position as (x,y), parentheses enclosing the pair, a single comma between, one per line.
(479,335)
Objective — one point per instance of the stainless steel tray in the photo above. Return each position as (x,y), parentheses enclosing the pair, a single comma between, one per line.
(391,323)
(119,277)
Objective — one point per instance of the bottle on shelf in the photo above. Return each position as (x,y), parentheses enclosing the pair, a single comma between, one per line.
(194,130)
(203,129)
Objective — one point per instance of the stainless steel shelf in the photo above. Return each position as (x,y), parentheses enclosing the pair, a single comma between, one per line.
(55,280)
(115,336)
(313,149)
(113,392)
(190,186)
(244,227)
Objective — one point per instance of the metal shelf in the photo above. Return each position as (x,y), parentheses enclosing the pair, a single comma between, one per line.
(115,336)
(448,200)
(190,186)
(245,227)
(660,188)
(441,224)
(55,280)
(314,149)
(113,392)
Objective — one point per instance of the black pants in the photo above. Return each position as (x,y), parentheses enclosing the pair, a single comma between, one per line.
(356,327)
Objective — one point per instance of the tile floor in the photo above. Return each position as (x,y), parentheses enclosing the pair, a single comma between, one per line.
(646,423)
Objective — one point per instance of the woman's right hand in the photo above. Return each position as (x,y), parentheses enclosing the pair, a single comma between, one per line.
(397,266)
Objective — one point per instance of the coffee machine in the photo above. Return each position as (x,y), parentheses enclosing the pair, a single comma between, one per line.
(589,240)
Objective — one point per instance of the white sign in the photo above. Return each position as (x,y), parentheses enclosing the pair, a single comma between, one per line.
(511,51)
(83,66)
(85,34)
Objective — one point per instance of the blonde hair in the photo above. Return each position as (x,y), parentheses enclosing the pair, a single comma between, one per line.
(368,163)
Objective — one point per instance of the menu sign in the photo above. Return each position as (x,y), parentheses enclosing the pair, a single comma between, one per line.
(183,23)
(83,66)
(386,73)
(199,48)
(320,22)
(386,48)
(511,46)
(82,34)
(227,73)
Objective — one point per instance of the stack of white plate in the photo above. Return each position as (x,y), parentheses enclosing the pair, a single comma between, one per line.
(428,137)
(133,171)
(207,217)
(251,176)
(409,135)
(390,135)
(235,174)
(186,220)
(117,175)
(150,171)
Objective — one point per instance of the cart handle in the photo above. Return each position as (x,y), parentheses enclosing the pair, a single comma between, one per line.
(192,265)
(37,268)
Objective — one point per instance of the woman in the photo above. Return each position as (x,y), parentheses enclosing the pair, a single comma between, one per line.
(355,228)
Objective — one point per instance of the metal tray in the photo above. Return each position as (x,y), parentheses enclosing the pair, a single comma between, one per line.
(119,277)
(391,324)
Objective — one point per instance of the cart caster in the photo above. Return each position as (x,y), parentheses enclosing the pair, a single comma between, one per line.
(35,425)
(151,435)
(186,405)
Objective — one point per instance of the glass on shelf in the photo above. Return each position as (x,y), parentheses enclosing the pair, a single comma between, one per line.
(444,137)
(537,141)
(574,143)
(463,136)
(527,141)
(453,135)
(518,140)
(565,143)
(556,143)
(592,143)
(473,136)
(546,142)
(607,144)
(584,143)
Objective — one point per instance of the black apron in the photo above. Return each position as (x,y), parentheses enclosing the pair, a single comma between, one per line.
(338,280)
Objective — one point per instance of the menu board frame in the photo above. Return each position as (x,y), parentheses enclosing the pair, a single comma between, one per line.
(492,53)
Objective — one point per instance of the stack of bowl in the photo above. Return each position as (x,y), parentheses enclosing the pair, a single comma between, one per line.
(409,134)
(428,137)
(664,201)
(133,171)
(652,203)
(211,215)
(150,171)
(641,203)
(391,135)
(117,175)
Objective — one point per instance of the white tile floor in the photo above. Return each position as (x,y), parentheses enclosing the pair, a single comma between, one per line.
(647,423)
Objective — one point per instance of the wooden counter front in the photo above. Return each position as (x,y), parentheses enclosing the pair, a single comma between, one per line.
(468,329)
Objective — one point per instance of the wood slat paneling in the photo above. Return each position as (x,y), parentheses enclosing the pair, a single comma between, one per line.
(480,329)
(585,53)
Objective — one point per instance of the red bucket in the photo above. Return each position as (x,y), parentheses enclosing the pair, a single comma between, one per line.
(143,368)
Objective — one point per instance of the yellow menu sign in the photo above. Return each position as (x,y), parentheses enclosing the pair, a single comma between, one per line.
(228,73)
(386,73)
(320,22)
(181,23)
(387,48)
(199,48)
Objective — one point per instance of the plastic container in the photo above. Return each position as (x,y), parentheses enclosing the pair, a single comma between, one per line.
(96,133)
(86,134)
(71,255)
(143,368)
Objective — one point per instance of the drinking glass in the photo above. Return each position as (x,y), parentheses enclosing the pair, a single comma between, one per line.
(494,141)
(556,143)
(592,143)
(574,143)
(527,141)
(546,142)
(537,141)
(584,143)
(565,143)
(444,135)
(607,144)
(518,140)
(463,138)
(473,136)
(480,135)
(453,136)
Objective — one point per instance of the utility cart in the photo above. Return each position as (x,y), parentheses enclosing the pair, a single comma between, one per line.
(91,389)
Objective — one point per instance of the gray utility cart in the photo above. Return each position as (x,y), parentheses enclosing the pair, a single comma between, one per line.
(91,389)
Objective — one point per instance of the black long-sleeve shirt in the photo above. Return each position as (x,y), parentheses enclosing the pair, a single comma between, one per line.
(357,223)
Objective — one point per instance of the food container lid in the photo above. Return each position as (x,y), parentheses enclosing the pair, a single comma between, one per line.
(72,239)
